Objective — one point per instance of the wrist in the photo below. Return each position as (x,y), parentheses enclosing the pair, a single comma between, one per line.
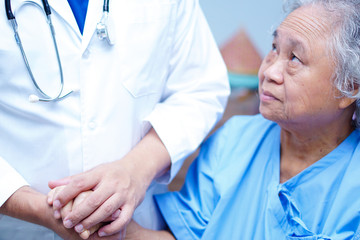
(150,158)
(31,206)
(28,205)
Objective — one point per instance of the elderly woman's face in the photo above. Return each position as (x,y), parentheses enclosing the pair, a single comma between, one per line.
(296,76)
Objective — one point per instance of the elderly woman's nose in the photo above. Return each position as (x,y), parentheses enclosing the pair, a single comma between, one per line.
(274,72)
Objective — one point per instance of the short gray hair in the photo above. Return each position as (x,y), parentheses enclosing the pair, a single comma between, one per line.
(345,47)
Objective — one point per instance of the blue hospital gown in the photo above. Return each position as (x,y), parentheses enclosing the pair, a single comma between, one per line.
(232,191)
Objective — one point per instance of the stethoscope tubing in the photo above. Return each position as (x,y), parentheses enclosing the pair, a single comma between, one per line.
(46,8)
(11,18)
(106,6)
(9,13)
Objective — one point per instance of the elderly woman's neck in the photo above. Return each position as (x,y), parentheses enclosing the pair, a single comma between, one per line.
(302,148)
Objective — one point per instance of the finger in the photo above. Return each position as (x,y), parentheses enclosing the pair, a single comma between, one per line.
(113,216)
(50,197)
(82,196)
(78,183)
(64,211)
(77,201)
(60,182)
(95,228)
(108,210)
(52,193)
(117,225)
(87,207)
(86,233)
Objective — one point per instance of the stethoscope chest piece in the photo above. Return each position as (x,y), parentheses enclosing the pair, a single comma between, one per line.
(105,29)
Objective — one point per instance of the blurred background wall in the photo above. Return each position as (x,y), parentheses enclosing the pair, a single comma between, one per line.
(258,17)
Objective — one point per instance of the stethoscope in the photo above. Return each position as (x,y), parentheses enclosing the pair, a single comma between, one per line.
(103,32)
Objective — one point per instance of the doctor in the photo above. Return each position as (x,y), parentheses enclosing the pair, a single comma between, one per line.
(139,103)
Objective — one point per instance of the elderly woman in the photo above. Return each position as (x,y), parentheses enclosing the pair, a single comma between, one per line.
(293,171)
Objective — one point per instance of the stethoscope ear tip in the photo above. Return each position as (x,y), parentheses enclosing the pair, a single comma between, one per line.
(33,98)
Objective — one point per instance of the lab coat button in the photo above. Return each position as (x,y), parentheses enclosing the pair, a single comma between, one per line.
(92,125)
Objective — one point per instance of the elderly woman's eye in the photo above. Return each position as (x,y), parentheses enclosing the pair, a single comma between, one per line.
(273,47)
(294,58)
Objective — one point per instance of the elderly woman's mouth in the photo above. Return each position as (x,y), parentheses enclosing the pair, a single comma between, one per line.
(267,96)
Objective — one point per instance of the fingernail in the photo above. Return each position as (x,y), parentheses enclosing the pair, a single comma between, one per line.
(56,204)
(67,224)
(79,228)
(102,234)
(49,200)
(57,214)
(85,234)
(116,214)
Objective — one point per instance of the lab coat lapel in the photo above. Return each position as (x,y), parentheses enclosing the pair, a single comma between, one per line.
(62,8)
(93,16)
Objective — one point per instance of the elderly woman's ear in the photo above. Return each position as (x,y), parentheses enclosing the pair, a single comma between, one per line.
(347,101)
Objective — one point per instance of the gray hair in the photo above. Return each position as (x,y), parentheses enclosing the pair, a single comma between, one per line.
(345,45)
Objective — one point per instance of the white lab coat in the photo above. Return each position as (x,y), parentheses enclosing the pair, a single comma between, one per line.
(164,71)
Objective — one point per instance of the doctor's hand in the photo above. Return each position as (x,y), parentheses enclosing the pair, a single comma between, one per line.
(118,185)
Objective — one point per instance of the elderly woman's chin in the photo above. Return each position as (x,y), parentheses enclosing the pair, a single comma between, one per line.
(267,113)
(271,113)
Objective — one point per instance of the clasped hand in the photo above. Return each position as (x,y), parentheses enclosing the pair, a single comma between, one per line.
(101,200)
(83,233)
